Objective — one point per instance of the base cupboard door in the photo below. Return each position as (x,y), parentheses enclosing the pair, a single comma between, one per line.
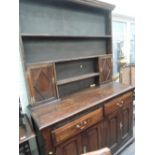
(70,147)
(126,123)
(113,123)
(92,138)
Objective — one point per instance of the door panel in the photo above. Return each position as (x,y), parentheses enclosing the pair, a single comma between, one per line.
(113,130)
(70,147)
(41,80)
(91,138)
(126,120)
(105,69)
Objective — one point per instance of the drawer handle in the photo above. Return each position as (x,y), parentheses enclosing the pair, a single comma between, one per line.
(50,153)
(81,125)
(78,126)
(85,122)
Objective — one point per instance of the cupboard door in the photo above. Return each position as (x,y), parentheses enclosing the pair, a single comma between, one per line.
(104,130)
(126,126)
(71,147)
(92,138)
(105,69)
(113,121)
(42,83)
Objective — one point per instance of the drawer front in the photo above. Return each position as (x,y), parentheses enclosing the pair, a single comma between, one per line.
(72,128)
(125,99)
(118,102)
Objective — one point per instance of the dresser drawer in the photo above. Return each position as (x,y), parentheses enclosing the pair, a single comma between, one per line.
(74,127)
(118,102)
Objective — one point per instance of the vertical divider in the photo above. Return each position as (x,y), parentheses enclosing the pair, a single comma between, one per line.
(55,77)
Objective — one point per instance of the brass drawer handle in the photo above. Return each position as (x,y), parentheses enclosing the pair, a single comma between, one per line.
(50,153)
(81,125)
(78,126)
(85,122)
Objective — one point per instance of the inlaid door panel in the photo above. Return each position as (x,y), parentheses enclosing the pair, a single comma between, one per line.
(42,83)
(105,69)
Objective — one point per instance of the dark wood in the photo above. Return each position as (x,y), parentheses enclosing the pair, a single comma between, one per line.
(76,103)
(105,133)
(77,126)
(67,53)
(119,114)
(105,69)
(70,147)
(92,138)
(118,102)
(42,83)
(127,121)
(113,120)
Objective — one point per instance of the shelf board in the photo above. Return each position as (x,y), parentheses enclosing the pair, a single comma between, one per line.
(69,59)
(62,36)
(77,78)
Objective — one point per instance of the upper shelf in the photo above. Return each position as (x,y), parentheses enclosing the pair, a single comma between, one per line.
(63,36)
(77,78)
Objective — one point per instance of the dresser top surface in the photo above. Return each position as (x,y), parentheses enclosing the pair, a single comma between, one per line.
(71,105)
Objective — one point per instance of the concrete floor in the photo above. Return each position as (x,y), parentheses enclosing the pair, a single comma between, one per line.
(130,150)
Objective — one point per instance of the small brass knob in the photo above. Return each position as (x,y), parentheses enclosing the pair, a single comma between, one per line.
(85,122)
(78,126)
(50,153)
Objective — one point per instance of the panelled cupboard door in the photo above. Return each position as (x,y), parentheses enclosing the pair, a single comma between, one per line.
(126,123)
(92,138)
(105,69)
(41,81)
(113,122)
(71,147)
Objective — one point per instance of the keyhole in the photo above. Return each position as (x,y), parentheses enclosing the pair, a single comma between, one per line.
(81,66)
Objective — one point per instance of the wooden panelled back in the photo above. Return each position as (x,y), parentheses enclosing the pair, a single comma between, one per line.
(105,69)
(42,83)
